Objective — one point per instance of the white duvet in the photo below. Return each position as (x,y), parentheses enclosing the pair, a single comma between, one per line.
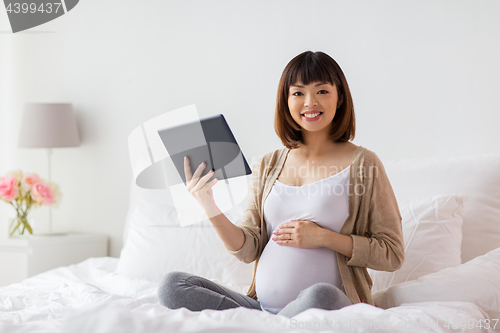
(91,297)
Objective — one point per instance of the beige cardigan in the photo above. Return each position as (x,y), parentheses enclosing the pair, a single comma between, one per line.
(374,221)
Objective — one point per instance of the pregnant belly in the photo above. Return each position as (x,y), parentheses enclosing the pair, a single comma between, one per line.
(284,271)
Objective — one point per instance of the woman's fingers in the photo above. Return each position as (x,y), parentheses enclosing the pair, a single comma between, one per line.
(198,171)
(211,183)
(187,169)
(203,181)
(199,188)
(194,182)
(282,236)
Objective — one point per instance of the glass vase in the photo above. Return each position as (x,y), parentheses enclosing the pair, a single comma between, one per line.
(20,227)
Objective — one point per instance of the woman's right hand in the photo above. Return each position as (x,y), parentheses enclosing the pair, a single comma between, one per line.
(201,189)
(198,187)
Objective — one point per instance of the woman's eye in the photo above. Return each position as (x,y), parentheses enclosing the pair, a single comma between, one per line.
(298,93)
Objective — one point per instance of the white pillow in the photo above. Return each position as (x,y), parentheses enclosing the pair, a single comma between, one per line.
(475,281)
(476,176)
(432,231)
(155,244)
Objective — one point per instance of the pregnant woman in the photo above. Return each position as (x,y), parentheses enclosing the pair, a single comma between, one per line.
(320,210)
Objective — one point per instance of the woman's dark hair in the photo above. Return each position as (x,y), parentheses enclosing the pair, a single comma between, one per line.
(310,67)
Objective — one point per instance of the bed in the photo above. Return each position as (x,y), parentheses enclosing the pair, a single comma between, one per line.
(450,281)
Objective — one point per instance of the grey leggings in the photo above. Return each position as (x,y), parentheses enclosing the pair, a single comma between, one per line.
(180,289)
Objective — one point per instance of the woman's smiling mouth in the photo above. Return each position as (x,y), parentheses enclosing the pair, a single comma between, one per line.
(311,115)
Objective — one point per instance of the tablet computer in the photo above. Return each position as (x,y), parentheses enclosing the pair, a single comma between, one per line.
(208,140)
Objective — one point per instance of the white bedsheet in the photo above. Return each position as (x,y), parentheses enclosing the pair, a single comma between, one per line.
(91,297)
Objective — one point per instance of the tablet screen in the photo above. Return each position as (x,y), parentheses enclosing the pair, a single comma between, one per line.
(208,140)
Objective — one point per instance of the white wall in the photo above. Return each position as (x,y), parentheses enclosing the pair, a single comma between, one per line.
(424,77)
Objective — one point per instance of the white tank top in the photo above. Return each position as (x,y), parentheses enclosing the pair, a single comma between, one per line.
(283,271)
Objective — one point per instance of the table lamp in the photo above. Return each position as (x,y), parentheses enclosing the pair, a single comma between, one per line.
(48,125)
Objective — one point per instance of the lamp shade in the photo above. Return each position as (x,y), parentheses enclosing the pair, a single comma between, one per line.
(47,125)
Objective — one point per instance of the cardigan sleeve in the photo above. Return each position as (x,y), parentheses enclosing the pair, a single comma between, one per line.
(382,245)
(250,223)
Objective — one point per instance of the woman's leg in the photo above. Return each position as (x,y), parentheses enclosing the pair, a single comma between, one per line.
(180,289)
(320,295)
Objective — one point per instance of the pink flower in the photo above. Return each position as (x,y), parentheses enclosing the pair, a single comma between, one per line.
(42,194)
(8,188)
(31,179)
(56,194)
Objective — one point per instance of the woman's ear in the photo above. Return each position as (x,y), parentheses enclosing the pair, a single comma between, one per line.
(340,101)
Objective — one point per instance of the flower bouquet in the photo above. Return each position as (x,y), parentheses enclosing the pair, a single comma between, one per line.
(23,192)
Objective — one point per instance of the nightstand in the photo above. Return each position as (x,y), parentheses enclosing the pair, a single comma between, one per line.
(21,258)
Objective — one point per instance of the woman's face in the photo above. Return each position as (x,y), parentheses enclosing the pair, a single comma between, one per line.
(313,106)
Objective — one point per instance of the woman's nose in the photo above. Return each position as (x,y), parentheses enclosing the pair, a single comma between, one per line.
(311,100)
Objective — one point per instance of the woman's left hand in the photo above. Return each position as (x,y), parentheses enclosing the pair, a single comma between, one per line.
(299,233)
